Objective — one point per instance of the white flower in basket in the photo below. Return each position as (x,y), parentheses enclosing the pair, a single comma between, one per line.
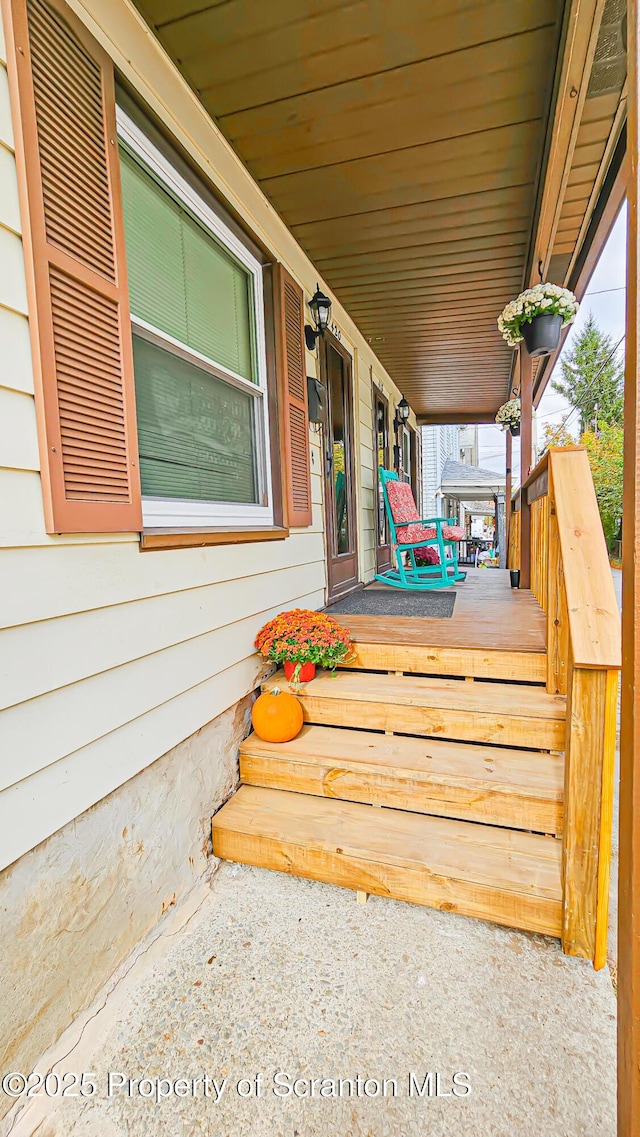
(509,415)
(541,300)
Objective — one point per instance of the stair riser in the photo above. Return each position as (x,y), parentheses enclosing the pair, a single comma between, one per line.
(512,666)
(417,884)
(466,726)
(401,791)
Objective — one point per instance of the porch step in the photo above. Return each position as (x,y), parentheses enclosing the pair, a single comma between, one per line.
(521,789)
(510,714)
(481,663)
(501,875)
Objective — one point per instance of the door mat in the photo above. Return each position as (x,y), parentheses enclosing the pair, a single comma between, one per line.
(390,602)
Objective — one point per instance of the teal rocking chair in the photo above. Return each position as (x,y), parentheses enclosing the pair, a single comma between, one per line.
(410,532)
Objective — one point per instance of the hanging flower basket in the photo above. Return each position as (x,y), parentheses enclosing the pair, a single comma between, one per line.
(537,316)
(302,639)
(542,334)
(508,417)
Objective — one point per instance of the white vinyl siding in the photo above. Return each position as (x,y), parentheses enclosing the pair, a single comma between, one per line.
(439,442)
(130,652)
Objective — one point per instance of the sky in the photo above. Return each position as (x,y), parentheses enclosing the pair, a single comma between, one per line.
(605,298)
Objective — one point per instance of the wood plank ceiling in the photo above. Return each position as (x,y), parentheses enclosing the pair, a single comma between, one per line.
(402,143)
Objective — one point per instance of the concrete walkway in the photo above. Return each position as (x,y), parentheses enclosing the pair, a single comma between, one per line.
(272,973)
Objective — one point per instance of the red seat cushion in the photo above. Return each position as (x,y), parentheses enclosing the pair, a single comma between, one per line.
(408,533)
(401,503)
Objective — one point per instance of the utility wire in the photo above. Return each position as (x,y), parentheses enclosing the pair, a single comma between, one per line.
(576,410)
(601,292)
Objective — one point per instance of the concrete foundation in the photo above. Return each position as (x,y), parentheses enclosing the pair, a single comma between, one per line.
(74,907)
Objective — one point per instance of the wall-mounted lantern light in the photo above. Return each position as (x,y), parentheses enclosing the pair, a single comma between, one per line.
(403,410)
(320,306)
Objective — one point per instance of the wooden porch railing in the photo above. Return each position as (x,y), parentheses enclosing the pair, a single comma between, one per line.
(571,580)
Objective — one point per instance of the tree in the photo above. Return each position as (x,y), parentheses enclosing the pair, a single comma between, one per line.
(604,448)
(556,434)
(593,377)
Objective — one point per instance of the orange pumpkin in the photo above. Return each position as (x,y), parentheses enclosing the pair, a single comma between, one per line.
(277,716)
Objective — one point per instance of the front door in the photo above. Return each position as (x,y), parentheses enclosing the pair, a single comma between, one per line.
(381,458)
(342,543)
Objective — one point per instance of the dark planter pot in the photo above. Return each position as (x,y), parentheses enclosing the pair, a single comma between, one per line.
(515,430)
(542,335)
(515,577)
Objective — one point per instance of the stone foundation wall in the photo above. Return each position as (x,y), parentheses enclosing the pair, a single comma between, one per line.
(74,907)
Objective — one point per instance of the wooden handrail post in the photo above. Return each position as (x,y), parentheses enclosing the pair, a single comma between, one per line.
(526,457)
(583,655)
(588,811)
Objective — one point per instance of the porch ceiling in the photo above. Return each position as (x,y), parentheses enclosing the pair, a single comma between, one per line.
(402,143)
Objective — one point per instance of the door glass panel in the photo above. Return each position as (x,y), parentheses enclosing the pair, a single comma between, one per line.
(382,445)
(339,421)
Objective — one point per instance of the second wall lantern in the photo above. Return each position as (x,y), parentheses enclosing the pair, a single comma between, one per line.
(403,410)
(320,306)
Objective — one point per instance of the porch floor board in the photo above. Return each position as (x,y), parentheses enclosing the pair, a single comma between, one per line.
(488,614)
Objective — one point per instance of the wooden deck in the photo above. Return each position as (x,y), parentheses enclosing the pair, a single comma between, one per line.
(488,615)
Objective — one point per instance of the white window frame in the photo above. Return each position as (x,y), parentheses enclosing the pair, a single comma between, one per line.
(176,513)
(406,448)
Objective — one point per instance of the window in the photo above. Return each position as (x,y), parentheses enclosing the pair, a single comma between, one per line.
(406,454)
(197,317)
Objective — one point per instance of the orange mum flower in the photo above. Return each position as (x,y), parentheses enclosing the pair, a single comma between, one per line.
(304,636)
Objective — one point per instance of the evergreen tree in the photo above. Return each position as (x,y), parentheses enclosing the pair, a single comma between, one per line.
(591,379)
(605,450)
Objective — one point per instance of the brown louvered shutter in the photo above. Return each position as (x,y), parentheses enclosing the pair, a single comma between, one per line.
(293,397)
(64,110)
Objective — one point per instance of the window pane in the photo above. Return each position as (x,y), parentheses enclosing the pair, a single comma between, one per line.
(195,431)
(181,280)
(218,302)
(155,258)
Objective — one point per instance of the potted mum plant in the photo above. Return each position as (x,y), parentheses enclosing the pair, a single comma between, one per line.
(426,555)
(302,640)
(508,417)
(537,316)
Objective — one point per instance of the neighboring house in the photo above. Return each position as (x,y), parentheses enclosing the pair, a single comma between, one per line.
(157,505)
(469,444)
(475,492)
(439,444)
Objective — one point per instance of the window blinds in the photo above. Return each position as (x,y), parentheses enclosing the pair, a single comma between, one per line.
(180,279)
(195,431)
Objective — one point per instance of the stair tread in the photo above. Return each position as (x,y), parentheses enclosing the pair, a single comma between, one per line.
(517,700)
(489,857)
(483,768)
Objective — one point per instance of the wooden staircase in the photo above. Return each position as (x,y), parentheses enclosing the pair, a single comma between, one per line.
(464,763)
(469,790)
